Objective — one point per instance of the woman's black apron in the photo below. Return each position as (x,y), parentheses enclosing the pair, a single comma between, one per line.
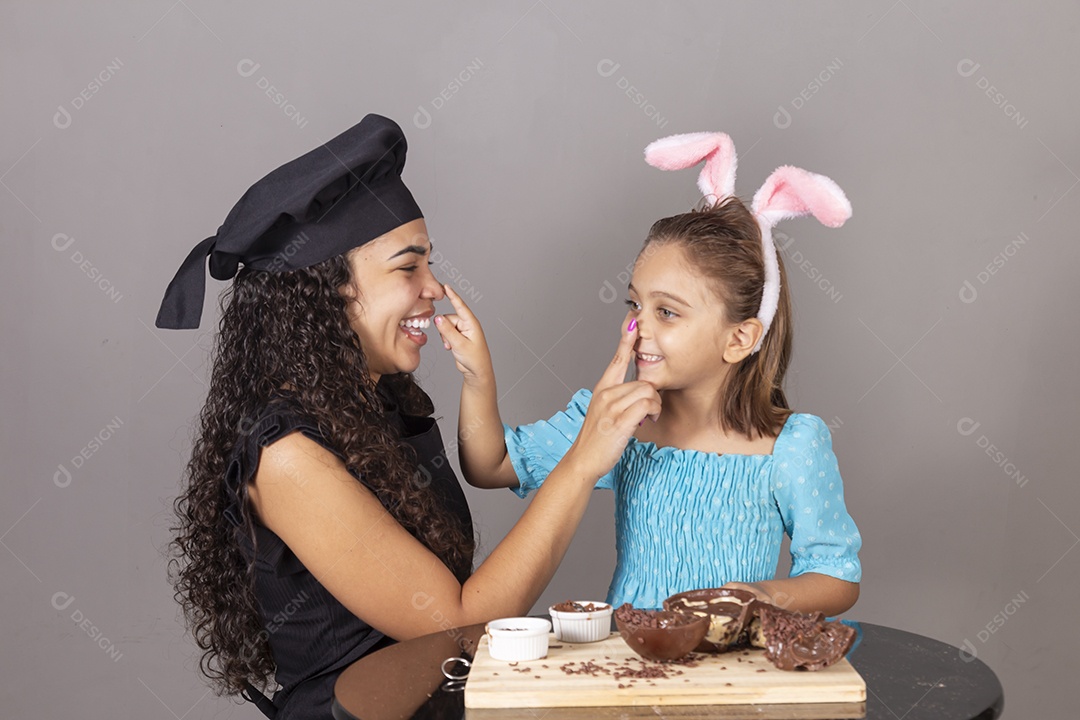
(312,636)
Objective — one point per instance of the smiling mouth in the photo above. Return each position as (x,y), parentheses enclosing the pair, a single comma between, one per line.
(414,327)
(645,357)
(417,323)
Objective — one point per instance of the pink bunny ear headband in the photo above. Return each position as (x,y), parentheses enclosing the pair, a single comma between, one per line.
(789,192)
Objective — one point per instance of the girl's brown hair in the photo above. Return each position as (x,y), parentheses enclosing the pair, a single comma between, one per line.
(723,242)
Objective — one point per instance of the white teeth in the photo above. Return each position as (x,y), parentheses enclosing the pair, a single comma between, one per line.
(416,323)
(650,358)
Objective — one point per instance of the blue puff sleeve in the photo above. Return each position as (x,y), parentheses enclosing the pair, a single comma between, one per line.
(536,449)
(810,496)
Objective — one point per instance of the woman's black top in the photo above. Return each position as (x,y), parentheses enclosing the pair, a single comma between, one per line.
(312,636)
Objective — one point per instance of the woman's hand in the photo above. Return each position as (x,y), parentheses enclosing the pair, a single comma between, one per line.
(616,410)
(462,335)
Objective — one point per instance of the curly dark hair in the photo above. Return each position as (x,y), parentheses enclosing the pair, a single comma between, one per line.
(288,330)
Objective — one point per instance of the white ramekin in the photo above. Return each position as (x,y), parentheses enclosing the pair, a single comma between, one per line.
(582,627)
(519,638)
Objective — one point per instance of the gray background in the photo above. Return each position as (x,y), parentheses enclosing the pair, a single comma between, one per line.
(526,156)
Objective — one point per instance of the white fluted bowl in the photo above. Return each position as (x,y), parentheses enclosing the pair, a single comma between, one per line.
(582,627)
(517,639)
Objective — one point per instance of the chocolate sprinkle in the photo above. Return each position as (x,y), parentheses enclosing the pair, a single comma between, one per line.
(796,641)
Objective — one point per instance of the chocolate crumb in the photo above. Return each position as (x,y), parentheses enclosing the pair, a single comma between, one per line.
(586,668)
(727,684)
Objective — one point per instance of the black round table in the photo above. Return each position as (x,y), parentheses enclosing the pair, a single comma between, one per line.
(907,676)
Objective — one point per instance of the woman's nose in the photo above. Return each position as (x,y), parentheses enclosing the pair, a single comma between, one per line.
(433,289)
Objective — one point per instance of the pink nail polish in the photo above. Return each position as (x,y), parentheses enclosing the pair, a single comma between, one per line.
(632,325)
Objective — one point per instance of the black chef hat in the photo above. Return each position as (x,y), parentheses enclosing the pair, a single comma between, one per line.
(320,205)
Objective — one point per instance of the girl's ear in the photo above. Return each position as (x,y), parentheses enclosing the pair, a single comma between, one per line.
(793,192)
(746,336)
(678,152)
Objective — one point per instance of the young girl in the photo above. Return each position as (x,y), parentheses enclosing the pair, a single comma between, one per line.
(705,491)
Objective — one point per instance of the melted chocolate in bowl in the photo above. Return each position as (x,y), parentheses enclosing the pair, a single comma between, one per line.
(727,610)
(660,635)
(575,606)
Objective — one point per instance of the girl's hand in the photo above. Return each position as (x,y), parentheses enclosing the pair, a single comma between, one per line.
(759,592)
(462,335)
(806,593)
(615,412)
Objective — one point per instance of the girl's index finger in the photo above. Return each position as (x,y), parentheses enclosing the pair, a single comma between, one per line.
(459,305)
(615,374)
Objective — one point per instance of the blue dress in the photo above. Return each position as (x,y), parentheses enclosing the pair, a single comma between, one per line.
(687,519)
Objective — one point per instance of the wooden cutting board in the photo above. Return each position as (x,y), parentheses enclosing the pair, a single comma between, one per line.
(740,677)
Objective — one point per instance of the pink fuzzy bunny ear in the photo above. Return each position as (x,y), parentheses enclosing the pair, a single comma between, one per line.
(791,192)
(678,152)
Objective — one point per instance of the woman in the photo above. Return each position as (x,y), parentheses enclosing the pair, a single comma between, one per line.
(319,520)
